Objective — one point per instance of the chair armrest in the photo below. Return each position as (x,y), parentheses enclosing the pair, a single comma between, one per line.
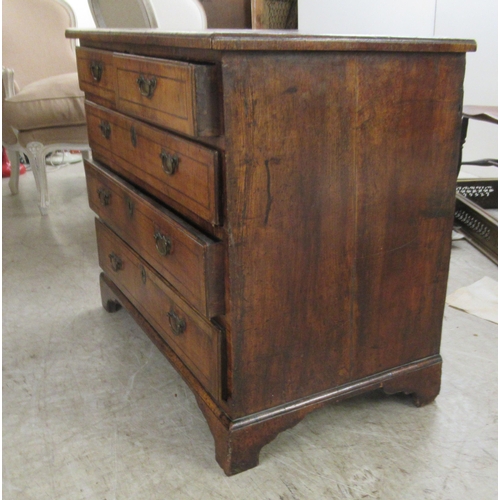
(9,86)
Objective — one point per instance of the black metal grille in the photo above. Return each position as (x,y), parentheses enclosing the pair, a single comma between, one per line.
(475,191)
(281,14)
(473,224)
(483,192)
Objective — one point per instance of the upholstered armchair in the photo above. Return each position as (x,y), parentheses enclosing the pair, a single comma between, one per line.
(42,105)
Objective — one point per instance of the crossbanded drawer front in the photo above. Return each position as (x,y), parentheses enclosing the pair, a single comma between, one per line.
(177,95)
(169,167)
(189,260)
(96,73)
(193,339)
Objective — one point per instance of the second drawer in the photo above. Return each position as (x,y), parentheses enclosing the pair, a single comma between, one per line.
(175,170)
(189,260)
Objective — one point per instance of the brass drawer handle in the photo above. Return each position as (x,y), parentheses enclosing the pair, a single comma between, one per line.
(147,86)
(104,196)
(105,129)
(177,323)
(116,262)
(96,70)
(163,243)
(169,162)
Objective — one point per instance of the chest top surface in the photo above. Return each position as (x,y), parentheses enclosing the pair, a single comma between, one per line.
(270,40)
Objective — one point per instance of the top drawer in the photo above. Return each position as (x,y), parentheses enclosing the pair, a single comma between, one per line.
(96,73)
(176,95)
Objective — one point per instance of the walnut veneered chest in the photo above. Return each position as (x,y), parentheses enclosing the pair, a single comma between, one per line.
(275,211)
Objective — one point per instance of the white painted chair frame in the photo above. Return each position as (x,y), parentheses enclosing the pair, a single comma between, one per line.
(149,17)
(36,152)
(168,15)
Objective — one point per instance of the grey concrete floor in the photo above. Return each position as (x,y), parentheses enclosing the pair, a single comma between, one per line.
(91,410)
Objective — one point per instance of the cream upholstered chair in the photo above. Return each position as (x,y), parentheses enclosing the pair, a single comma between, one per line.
(167,15)
(42,105)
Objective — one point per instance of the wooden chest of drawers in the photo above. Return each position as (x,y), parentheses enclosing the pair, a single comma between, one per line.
(275,211)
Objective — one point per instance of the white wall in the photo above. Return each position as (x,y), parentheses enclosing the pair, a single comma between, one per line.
(476,19)
(368,17)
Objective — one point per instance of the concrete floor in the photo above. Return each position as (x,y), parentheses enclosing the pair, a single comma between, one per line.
(91,410)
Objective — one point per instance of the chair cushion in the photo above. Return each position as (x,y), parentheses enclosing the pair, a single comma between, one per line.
(75,135)
(52,102)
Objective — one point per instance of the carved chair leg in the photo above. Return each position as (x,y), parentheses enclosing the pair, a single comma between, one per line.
(14,170)
(36,156)
(109,300)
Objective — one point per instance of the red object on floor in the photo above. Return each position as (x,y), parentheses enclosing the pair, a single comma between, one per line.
(6,166)
(5,163)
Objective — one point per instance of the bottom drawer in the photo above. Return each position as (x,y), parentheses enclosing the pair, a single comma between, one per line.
(191,337)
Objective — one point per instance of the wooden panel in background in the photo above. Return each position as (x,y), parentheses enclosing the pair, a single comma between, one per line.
(228,14)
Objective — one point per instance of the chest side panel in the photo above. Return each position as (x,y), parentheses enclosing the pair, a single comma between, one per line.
(409,114)
(290,219)
(340,190)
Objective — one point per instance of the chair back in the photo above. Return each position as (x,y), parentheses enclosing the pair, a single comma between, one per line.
(167,15)
(123,14)
(33,38)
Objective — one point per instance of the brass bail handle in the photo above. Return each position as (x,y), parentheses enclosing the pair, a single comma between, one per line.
(105,129)
(169,162)
(116,262)
(147,86)
(177,323)
(104,196)
(163,243)
(96,70)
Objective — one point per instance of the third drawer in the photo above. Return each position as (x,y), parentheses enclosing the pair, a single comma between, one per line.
(188,259)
